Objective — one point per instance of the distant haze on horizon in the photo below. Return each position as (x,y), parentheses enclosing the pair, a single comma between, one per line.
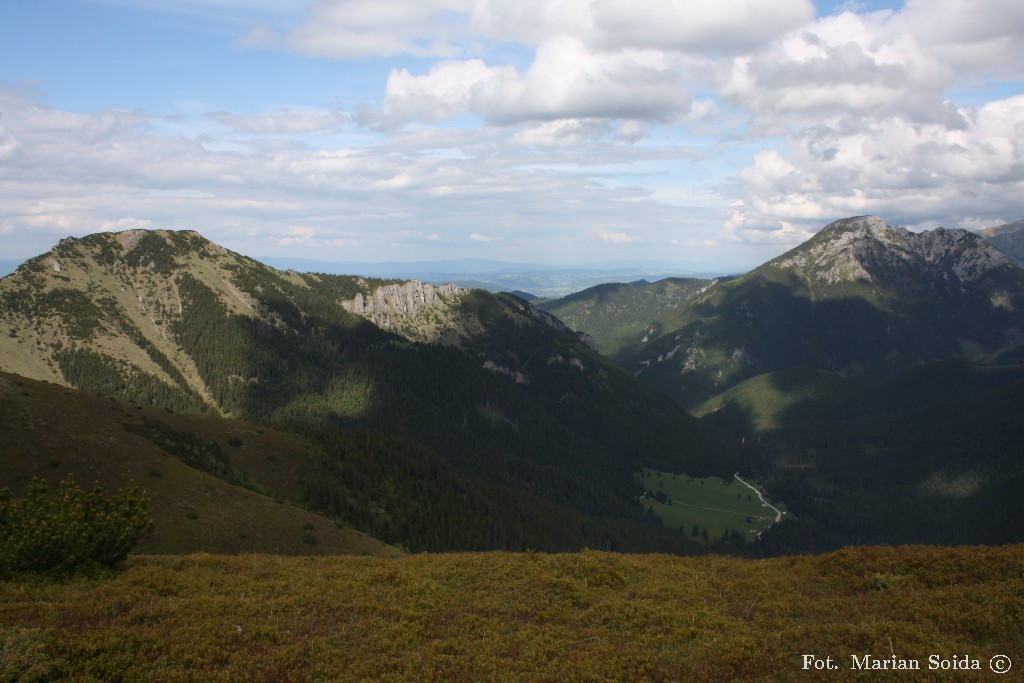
(576,132)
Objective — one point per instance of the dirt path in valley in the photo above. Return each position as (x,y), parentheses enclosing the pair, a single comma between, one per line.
(778,512)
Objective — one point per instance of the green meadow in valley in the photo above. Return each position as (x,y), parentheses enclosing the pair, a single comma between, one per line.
(708,508)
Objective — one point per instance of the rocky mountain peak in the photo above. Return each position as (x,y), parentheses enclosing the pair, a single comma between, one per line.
(865,248)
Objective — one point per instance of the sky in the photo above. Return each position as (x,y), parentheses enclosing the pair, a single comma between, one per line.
(543,131)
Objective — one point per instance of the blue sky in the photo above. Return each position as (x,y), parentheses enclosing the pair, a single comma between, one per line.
(553,131)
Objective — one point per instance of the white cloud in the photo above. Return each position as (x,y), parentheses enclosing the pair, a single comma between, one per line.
(449,89)
(566,80)
(554,121)
(8,145)
(846,64)
(315,237)
(351,29)
(592,58)
(632,131)
(298,234)
(284,121)
(879,63)
(564,132)
(386,197)
(906,171)
(980,35)
(722,27)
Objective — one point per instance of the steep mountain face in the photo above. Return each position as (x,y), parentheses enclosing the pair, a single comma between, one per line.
(1008,238)
(861,299)
(502,390)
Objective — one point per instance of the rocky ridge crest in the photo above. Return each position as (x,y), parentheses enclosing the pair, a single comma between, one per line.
(395,305)
(863,247)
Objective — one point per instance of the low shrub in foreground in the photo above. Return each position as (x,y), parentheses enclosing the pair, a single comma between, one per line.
(70,531)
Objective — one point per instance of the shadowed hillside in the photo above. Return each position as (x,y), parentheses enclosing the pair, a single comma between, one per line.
(861,299)
(232,486)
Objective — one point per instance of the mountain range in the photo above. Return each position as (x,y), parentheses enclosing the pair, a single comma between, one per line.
(529,279)
(869,378)
(498,391)
(873,375)
(860,299)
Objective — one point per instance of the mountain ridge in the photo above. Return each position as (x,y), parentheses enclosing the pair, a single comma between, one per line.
(1008,238)
(860,298)
(852,248)
(503,391)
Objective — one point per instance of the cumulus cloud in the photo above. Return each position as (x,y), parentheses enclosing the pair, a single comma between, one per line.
(724,26)
(576,118)
(591,58)
(861,104)
(346,29)
(907,171)
(8,145)
(847,64)
(566,80)
(979,35)
(879,63)
(564,133)
(389,197)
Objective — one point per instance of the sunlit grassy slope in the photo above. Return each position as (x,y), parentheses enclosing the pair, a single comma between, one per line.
(587,616)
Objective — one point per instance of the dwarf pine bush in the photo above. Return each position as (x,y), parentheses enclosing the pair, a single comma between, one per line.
(70,531)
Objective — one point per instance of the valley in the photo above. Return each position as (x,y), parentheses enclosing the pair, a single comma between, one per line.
(472,341)
(866,379)
(353,478)
(857,371)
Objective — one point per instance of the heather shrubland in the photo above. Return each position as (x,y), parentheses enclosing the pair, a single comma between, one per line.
(588,616)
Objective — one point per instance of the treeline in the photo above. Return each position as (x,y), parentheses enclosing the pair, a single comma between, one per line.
(99,374)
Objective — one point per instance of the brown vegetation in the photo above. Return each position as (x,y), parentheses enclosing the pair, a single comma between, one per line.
(587,616)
